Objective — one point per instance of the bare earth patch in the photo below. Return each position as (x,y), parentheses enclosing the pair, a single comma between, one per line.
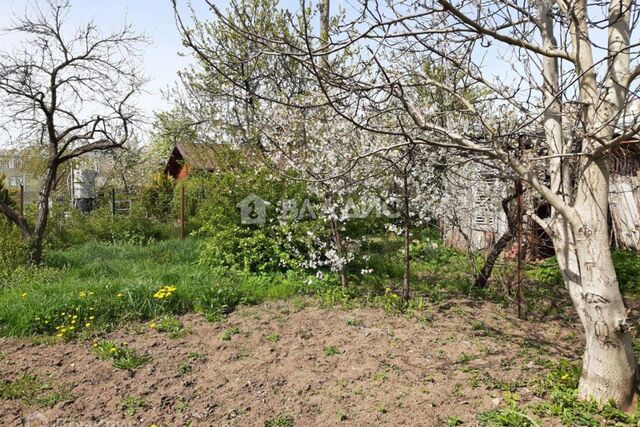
(283,364)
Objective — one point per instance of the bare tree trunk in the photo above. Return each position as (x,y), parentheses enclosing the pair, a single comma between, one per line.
(34,255)
(512,222)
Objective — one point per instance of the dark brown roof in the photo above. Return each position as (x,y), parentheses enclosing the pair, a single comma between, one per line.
(199,156)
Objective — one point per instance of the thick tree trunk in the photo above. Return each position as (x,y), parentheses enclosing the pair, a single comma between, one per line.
(584,255)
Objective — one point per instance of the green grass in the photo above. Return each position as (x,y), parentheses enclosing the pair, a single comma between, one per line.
(33,390)
(331,350)
(171,326)
(108,285)
(120,356)
(226,335)
(131,404)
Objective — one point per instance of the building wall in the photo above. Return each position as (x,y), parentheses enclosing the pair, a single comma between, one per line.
(10,167)
(624,204)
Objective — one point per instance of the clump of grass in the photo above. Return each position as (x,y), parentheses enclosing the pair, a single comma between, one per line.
(131,404)
(172,326)
(32,390)
(196,355)
(226,335)
(331,350)
(273,338)
(280,421)
(120,356)
(184,369)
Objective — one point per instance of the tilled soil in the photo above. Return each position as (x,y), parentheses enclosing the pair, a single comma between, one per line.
(292,365)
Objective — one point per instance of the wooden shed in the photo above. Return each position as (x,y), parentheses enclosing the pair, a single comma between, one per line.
(478,220)
(186,158)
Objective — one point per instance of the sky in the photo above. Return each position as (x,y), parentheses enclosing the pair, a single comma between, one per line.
(161,61)
(154,18)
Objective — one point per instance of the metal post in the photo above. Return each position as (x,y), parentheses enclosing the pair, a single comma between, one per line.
(21,200)
(182,212)
(519,215)
(113,202)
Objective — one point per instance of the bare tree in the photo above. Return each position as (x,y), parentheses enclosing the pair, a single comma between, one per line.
(69,92)
(576,79)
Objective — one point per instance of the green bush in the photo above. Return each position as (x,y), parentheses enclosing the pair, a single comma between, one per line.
(69,228)
(13,249)
(277,245)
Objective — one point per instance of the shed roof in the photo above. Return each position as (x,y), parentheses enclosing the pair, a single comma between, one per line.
(198,155)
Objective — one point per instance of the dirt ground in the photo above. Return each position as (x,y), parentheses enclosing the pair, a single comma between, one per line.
(295,364)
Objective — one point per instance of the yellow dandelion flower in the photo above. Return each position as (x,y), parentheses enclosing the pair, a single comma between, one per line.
(87,324)
(153,325)
(92,317)
(23,295)
(112,349)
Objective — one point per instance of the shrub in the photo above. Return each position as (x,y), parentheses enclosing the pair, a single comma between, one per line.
(13,249)
(277,245)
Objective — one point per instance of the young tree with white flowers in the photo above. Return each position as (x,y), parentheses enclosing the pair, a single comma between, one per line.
(566,69)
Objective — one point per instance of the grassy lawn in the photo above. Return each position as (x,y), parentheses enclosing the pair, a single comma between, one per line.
(91,290)
(94,287)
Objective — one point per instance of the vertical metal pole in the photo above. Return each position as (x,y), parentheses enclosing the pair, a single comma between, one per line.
(520,214)
(113,202)
(21,200)
(182,212)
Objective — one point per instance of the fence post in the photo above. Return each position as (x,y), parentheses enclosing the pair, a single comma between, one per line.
(182,211)
(21,200)
(113,202)
(520,236)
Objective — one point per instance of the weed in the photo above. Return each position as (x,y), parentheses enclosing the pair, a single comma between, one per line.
(182,405)
(120,356)
(32,390)
(280,421)
(184,368)
(273,338)
(331,350)
(196,355)
(131,404)
(226,335)
(354,322)
(172,326)
(464,358)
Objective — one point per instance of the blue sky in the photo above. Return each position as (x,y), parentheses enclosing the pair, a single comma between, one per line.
(161,61)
